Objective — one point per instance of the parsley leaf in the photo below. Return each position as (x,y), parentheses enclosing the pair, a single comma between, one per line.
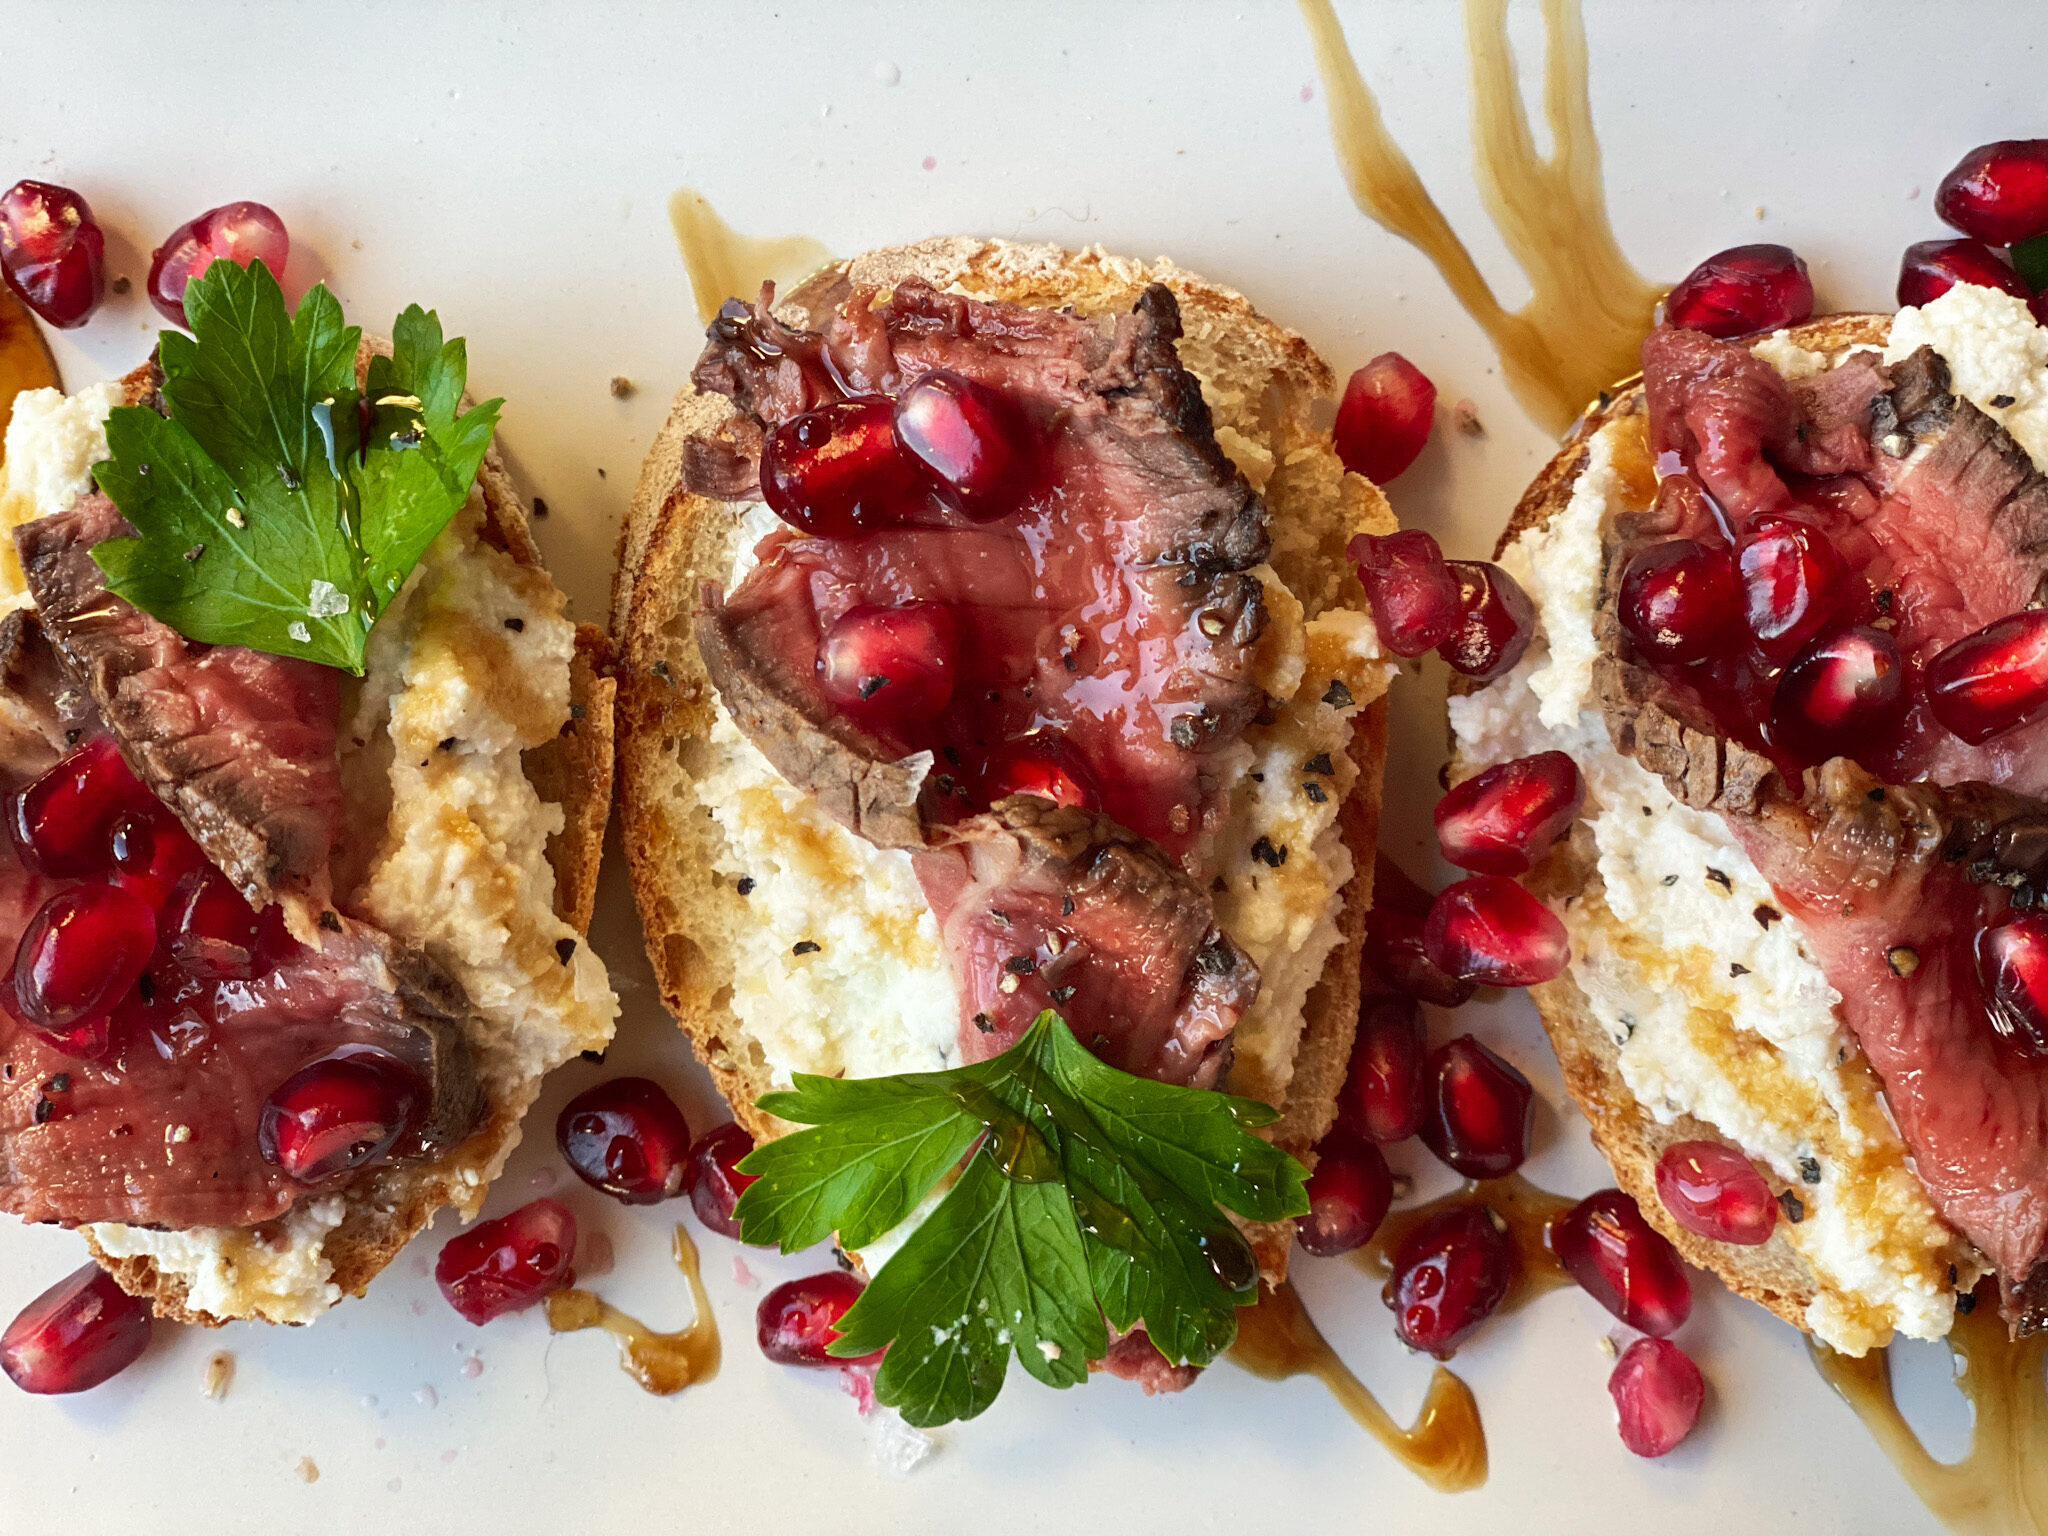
(268,511)
(1087,1201)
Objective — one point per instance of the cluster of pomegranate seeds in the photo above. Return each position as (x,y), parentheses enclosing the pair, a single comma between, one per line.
(1502,820)
(1449,1275)
(1040,763)
(1383,421)
(1489,930)
(75,1335)
(338,1114)
(1413,594)
(1990,682)
(1714,1190)
(1623,1263)
(1348,1195)
(1385,1094)
(240,232)
(500,1266)
(1657,1392)
(1678,599)
(715,1180)
(1481,1110)
(799,1318)
(2012,969)
(1742,290)
(52,252)
(891,664)
(839,471)
(970,438)
(1392,954)
(627,1138)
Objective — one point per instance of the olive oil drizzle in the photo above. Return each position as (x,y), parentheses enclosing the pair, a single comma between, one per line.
(724,263)
(661,1362)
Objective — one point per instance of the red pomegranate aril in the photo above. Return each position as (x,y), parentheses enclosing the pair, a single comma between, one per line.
(60,820)
(1481,1110)
(1793,582)
(1502,820)
(1042,764)
(80,954)
(1932,267)
(1840,694)
(337,1114)
(627,1138)
(839,472)
(970,438)
(500,1266)
(1394,951)
(210,928)
(1383,1098)
(1998,193)
(1714,1191)
(1415,598)
(77,1334)
(1490,931)
(52,252)
(241,232)
(2012,968)
(1449,1275)
(1383,421)
(151,853)
(892,665)
(799,1319)
(1989,682)
(1742,290)
(1348,1195)
(1678,599)
(716,1182)
(1496,621)
(1623,1262)
(1657,1392)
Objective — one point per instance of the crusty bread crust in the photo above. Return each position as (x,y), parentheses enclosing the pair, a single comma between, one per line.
(673,540)
(1772,1274)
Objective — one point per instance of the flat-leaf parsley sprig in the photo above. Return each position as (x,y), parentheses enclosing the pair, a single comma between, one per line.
(1088,1197)
(269,510)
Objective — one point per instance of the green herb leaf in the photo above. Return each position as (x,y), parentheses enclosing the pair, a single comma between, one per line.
(2030,260)
(265,515)
(1088,1197)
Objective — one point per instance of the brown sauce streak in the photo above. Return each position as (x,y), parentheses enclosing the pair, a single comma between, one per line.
(2000,1486)
(25,361)
(661,1362)
(725,264)
(1589,309)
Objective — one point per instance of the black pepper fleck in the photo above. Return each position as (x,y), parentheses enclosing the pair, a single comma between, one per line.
(1766,914)
(540,507)
(1876,796)
(873,684)
(44,1109)
(61,1083)
(1793,1207)
(1966,1303)
(1320,763)
(1314,791)
(1021,965)
(577,712)
(445,744)
(330,921)
(1720,879)
(565,949)
(1737,968)
(1671,879)
(517,626)
(744,885)
(984,1023)
(1338,696)
(660,670)
(1066,906)
(1264,851)
(2000,402)
(1809,1169)
(805,947)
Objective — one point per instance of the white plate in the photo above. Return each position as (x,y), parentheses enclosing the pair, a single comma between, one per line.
(510,165)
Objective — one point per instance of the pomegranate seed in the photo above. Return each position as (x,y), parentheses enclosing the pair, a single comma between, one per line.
(1739,291)
(1793,582)
(2012,967)
(716,1182)
(1501,821)
(80,954)
(1489,930)
(1932,267)
(1481,1110)
(500,1266)
(1987,683)
(893,665)
(1623,1262)
(1496,621)
(1678,598)
(1042,764)
(152,852)
(210,928)
(1392,955)
(338,1114)
(1348,1195)
(60,819)
(1383,421)
(241,232)
(1840,694)
(799,1318)
(1998,193)
(839,471)
(75,1335)
(971,439)
(1383,1097)
(627,1138)
(1414,596)
(1449,1275)
(52,252)
(1657,1392)
(1714,1191)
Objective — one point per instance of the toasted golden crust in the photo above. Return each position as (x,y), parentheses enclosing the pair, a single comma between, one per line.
(1262,382)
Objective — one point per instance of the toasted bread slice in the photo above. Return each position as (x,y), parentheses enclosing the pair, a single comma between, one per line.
(1261,383)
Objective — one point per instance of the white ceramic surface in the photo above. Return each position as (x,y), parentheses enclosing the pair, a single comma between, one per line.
(509,164)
